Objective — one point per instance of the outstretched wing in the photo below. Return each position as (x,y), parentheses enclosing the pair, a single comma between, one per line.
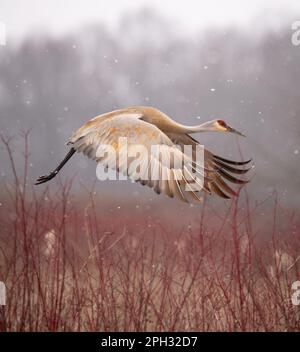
(223,168)
(155,167)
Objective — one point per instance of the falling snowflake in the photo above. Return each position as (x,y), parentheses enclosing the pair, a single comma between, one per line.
(212,89)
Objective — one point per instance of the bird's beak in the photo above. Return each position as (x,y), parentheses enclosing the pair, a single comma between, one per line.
(232,130)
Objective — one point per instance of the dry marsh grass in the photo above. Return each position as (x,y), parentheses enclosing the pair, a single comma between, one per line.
(68,268)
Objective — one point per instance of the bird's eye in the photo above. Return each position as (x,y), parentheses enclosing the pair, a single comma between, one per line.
(222,123)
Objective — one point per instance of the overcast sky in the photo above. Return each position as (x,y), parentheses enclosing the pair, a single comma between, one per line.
(61,16)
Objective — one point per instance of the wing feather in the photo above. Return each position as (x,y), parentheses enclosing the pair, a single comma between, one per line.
(107,131)
(216,169)
(94,141)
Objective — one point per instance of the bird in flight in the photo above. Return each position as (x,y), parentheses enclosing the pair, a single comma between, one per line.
(146,127)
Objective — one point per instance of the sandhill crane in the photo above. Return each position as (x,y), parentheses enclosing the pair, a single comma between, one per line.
(149,126)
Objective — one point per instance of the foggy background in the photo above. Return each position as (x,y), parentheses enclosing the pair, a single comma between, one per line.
(66,62)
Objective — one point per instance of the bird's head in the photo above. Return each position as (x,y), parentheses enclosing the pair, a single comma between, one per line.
(221,126)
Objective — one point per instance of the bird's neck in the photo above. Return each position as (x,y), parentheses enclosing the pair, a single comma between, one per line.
(204,127)
(166,124)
